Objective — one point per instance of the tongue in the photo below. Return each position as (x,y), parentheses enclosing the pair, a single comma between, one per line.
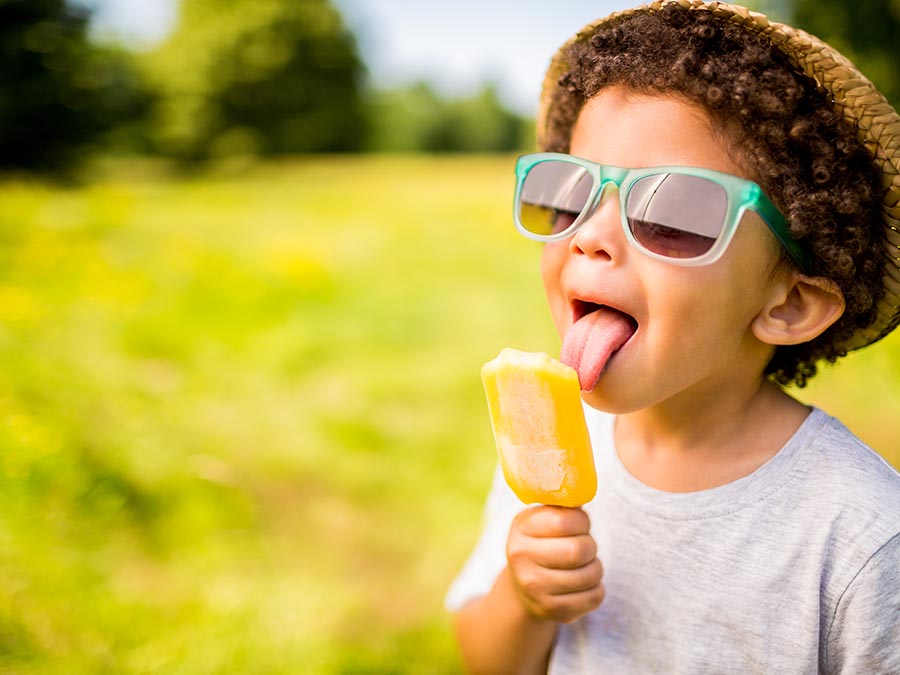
(591,341)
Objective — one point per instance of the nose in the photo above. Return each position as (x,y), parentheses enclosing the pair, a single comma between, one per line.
(601,236)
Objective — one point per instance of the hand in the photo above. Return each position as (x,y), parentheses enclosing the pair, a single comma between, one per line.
(553,563)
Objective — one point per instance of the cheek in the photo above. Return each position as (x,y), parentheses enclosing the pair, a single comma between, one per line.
(705,311)
(549,267)
(552,262)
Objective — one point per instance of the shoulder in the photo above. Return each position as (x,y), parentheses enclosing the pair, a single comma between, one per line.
(864,627)
(857,478)
(853,491)
(851,499)
(842,494)
(488,558)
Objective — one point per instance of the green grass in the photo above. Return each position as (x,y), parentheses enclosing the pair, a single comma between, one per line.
(241,425)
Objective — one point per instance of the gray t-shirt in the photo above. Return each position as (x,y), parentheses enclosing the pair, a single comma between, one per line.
(794,568)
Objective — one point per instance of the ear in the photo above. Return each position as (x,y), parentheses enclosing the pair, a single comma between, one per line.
(800,309)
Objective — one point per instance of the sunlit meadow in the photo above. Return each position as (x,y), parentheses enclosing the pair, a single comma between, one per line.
(241,424)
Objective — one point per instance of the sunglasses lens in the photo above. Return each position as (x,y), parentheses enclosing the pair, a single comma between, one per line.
(676,215)
(552,196)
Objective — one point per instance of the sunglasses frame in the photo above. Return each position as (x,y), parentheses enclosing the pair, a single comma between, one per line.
(741,195)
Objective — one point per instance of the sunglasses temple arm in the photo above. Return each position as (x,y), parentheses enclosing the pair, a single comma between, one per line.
(797,254)
(778,225)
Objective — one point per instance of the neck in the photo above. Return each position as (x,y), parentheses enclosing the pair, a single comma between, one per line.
(700,442)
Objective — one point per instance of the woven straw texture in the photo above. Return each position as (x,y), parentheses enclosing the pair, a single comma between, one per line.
(877,124)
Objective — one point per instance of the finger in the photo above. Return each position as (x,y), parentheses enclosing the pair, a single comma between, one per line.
(568,607)
(538,582)
(553,521)
(567,582)
(564,553)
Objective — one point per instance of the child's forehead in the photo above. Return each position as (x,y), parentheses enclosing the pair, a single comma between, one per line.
(623,127)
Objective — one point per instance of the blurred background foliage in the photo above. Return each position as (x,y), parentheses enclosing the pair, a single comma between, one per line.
(259,78)
(236,78)
(265,77)
(59,93)
(241,426)
(866,31)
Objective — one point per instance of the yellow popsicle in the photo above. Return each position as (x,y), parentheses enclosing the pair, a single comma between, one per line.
(538,422)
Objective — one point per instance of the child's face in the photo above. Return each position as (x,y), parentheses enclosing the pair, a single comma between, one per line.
(694,336)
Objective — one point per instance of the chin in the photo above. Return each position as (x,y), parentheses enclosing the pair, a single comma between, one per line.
(604,398)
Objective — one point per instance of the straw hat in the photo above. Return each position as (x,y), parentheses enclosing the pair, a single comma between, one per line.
(854,96)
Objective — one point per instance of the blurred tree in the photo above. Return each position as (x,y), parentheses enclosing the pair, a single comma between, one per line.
(480,123)
(257,77)
(780,10)
(403,120)
(866,31)
(58,93)
(416,119)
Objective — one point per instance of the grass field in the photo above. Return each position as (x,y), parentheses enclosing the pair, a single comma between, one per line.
(241,424)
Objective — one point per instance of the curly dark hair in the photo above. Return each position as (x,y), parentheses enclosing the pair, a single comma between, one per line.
(779,125)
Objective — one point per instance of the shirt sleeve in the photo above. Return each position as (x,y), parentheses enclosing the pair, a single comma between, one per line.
(865,632)
(488,558)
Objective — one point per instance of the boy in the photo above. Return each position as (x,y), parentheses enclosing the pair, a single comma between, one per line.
(735,529)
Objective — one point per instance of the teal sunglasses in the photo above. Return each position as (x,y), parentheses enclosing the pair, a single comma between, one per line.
(681,215)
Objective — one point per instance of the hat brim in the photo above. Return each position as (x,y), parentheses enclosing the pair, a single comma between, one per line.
(854,96)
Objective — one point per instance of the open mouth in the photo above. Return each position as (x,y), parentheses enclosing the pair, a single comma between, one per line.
(581,308)
(597,333)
